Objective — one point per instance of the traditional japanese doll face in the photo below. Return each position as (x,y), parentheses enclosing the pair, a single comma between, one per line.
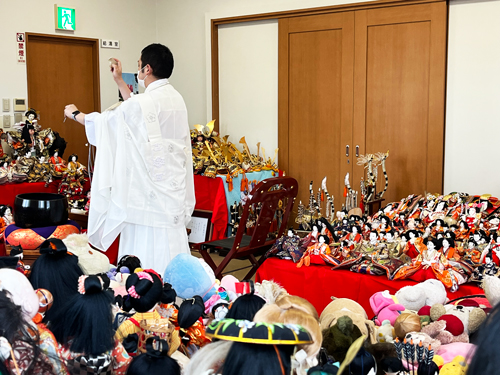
(440,206)
(446,243)
(438,223)
(354,230)
(495,221)
(315,228)
(487,259)
(375,225)
(411,224)
(412,235)
(345,221)
(373,237)
(462,225)
(73,159)
(8,215)
(472,211)
(42,159)
(430,246)
(4,164)
(389,237)
(476,237)
(321,240)
(388,209)
(56,154)
(290,233)
(439,236)
(471,245)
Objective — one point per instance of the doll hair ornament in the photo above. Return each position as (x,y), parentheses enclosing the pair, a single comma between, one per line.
(145,290)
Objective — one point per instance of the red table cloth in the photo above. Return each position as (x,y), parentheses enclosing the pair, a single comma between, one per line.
(318,283)
(9,191)
(210,196)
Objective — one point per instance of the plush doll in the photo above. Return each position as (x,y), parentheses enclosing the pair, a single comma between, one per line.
(427,293)
(491,286)
(385,333)
(338,338)
(346,307)
(406,323)
(456,367)
(385,307)
(454,323)
(91,261)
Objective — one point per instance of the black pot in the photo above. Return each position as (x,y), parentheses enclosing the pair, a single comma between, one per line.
(34,210)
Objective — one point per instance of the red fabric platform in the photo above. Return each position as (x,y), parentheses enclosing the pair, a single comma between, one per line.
(318,283)
(9,191)
(210,196)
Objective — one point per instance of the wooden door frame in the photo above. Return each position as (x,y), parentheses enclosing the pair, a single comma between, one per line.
(215,23)
(94,43)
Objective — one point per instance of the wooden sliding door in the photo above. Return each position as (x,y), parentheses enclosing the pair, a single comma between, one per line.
(399,94)
(315,105)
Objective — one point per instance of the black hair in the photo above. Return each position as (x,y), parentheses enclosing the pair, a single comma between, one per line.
(325,237)
(450,240)
(154,361)
(31,111)
(415,232)
(245,307)
(389,222)
(150,293)
(190,311)
(466,226)
(3,210)
(441,222)
(437,243)
(59,145)
(250,359)
(130,261)
(391,364)
(14,328)
(58,272)
(159,58)
(391,232)
(357,227)
(168,294)
(429,369)
(86,322)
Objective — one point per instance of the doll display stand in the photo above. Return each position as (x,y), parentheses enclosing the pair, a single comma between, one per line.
(268,194)
(318,284)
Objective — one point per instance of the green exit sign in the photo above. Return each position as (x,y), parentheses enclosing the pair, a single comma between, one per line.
(65,18)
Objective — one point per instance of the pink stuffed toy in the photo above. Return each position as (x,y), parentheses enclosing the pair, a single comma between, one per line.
(385,307)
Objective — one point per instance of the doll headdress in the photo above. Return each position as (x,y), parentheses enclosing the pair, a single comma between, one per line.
(258,332)
(207,129)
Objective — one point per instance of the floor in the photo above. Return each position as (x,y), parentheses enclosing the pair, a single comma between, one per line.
(237,268)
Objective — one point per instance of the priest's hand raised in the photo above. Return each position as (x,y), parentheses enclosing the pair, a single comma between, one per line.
(70,111)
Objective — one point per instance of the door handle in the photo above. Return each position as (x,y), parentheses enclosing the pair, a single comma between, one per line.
(357,150)
(347,150)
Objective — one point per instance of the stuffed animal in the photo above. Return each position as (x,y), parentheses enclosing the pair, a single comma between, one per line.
(386,307)
(456,367)
(491,286)
(346,307)
(406,323)
(385,333)
(90,261)
(459,319)
(338,338)
(427,293)
(450,351)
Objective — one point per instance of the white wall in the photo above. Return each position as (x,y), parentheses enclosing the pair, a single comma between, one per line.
(473,98)
(130,21)
(248,84)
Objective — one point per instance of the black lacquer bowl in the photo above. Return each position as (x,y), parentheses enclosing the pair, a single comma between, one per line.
(34,210)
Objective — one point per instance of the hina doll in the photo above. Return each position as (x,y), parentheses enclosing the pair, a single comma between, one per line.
(437,227)
(415,245)
(383,260)
(462,233)
(471,218)
(75,167)
(286,247)
(487,268)
(318,253)
(310,239)
(59,165)
(327,229)
(430,264)
(438,213)
(5,218)
(472,254)
(385,224)
(494,248)
(354,237)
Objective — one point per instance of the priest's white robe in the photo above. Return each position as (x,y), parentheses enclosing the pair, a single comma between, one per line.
(143,184)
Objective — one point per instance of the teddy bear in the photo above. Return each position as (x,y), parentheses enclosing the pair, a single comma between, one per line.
(347,307)
(453,323)
(427,293)
(386,307)
(456,367)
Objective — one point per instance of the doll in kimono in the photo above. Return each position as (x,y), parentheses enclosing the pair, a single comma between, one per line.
(286,247)
(354,237)
(415,245)
(318,253)
(310,239)
(472,217)
(385,224)
(437,227)
(487,268)
(430,264)
(327,229)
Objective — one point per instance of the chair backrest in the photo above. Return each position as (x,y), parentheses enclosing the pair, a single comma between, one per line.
(268,193)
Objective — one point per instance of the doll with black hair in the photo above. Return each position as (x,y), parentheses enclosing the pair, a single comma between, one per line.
(318,253)
(145,290)
(128,264)
(57,271)
(245,307)
(155,361)
(84,330)
(327,229)
(462,233)
(415,245)
(286,247)
(19,349)
(487,268)
(310,239)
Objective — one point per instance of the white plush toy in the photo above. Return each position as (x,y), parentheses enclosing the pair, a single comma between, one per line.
(385,333)
(90,261)
(427,293)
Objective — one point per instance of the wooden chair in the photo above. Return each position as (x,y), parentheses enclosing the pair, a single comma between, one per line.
(268,193)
